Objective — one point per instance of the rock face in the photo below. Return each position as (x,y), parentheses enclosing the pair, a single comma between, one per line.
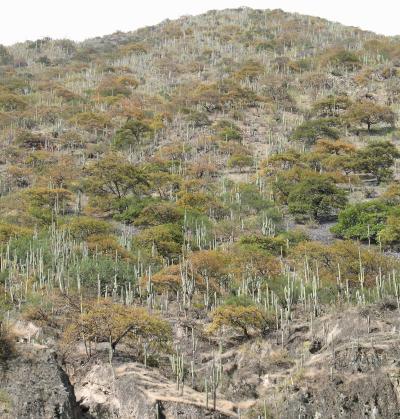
(34,386)
(130,391)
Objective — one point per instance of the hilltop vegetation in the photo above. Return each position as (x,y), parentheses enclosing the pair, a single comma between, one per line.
(229,175)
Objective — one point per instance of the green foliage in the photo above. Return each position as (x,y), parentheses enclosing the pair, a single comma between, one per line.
(8,231)
(127,209)
(162,213)
(310,131)
(318,199)
(331,106)
(103,268)
(83,227)
(240,161)
(389,236)
(242,318)
(132,133)
(228,131)
(377,159)
(363,221)
(369,114)
(112,176)
(167,239)
(272,245)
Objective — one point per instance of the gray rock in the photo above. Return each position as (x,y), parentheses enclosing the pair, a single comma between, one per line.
(34,386)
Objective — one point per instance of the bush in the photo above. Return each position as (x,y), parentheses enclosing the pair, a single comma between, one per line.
(318,199)
(167,238)
(240,161)
(240,318)
(377,159)
(389,236)
(83,227)
(311,131)
(362,221)
(162,213)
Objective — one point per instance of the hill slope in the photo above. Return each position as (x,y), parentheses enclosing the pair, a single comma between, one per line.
(214,197)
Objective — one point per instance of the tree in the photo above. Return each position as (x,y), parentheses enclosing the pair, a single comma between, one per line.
(131,133)
(83,227)
(112,176)
(242,318)
(331,106)
(167,239)
(92,121)
(377,159)
(117,324)
(338,147)
(346,257)
(8,231)
(317,198)
(162,213)
(240,161)
(362,221)
(389,236)
(369,113)
(311,131)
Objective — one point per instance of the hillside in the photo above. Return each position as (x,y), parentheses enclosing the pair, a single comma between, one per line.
(201,219)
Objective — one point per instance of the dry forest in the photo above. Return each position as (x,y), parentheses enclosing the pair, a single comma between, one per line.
(201,219)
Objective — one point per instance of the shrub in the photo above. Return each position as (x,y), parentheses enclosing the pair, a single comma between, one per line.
(83,227)
(362,221)
(311,131)
(162,213)
(240,318)
(377,159)
(318,199)
(389,236)
(167,238)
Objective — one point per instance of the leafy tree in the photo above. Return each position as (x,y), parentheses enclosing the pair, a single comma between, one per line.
(118,86)
(240,161)
(377,159)
(167,239)
(242,318)
(318,199)
(83,227)
(92,121)
(114,177)
(117,324)
(338,147)
(389,236)
(162,213)
(131,133)
(362,221)
(311,131)
(343,59)
(331,106)
(369,114)
(8,231)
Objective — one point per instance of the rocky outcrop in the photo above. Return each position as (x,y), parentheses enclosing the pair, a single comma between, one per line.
(130,391)
(34,386)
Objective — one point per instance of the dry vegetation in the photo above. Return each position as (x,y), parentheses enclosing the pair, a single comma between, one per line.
(170,179)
